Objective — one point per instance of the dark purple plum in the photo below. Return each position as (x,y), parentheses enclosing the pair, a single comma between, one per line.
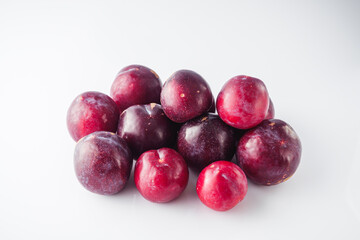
(206,139)
(271,111)
(185,95)
(269,153)
(221,185)
(161,175)
(213,107)
(243,102)
(135,84)
(91,112)
(103,163)
(146,127)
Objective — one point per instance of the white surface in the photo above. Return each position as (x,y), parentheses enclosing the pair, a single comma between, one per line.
(307,53)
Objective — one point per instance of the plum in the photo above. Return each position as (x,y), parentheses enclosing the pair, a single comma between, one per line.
(91,112)
(161,175)
(243,102)
(221,185)
(271,111)
(269,153)
(206,139)
(185,95)
(103,162)
(135,84)
(212,109)
(146,127)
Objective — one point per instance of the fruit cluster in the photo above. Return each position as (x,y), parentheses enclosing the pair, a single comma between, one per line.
(169,128)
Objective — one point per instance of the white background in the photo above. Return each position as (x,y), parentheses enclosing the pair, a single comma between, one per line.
(307,53)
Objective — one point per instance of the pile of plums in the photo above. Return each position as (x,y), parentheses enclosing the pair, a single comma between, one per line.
(169,128)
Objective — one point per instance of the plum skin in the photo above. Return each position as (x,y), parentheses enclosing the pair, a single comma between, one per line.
(212,108)
(206,139)
(146,127)
(221,185)
(90,112)
(135,84)
(270,114)
(161,175)
(102,162)
(185,95)
(270,153)
(243,102)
